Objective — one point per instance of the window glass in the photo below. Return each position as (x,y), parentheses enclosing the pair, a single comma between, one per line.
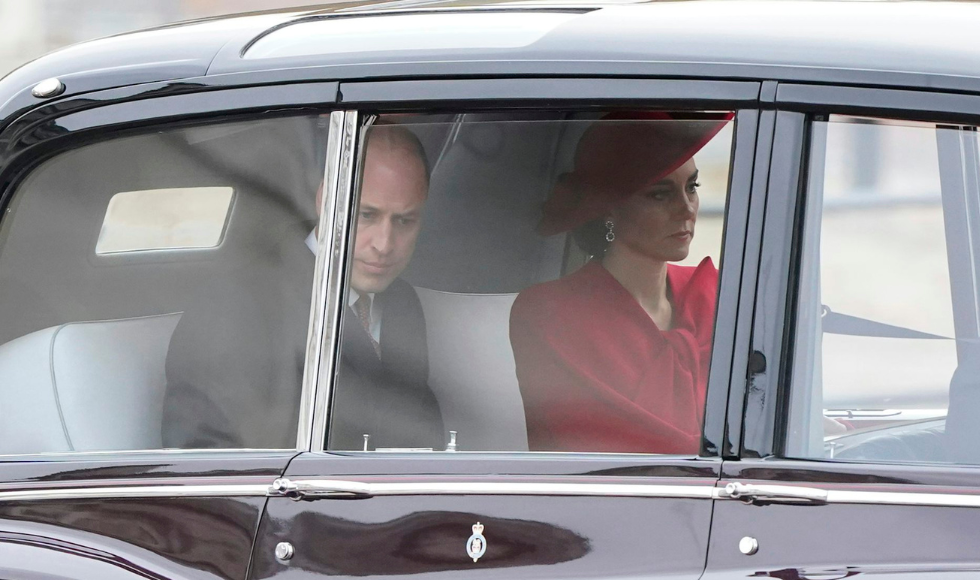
(162,219)
(104,347)
(530,283)
(886,328)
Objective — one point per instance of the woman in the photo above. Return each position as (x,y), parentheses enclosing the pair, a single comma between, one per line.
(614,357)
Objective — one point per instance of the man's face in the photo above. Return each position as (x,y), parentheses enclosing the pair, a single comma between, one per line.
(394,188)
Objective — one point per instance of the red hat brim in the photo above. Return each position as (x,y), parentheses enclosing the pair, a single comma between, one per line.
(619,155)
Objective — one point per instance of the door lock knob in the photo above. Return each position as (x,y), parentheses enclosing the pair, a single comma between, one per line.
(748,545)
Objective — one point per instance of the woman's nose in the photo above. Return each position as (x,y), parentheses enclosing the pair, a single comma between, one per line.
(687,208)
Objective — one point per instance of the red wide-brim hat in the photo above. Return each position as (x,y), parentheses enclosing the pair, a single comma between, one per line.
(621,154)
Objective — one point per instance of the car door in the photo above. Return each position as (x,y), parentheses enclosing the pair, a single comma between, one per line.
(124,226)
(857,451)
(377,494)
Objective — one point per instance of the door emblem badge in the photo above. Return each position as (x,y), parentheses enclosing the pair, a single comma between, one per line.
(476,546)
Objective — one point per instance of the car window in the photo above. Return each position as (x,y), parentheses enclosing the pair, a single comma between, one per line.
(163,219)
(532,282)
(148,290)
(886,318)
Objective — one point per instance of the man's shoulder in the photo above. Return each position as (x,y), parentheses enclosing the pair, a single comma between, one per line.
(400,291)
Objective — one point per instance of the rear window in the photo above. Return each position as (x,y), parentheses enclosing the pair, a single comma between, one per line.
(164,219)
(99,352)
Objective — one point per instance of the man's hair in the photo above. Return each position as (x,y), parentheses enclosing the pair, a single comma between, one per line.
(396,138)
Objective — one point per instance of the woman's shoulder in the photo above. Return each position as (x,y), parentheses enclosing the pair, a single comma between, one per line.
(695,290)
(684,279)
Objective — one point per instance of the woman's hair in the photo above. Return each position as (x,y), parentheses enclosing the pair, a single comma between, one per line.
(591,237)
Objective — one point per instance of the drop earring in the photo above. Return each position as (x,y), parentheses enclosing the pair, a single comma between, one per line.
(610,234)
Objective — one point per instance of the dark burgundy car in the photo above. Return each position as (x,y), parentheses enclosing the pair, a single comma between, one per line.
(330,292)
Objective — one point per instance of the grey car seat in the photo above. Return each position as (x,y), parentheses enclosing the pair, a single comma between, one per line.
(85,386)
(471,369)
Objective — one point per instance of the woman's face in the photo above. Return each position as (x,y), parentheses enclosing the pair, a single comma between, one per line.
(658,222)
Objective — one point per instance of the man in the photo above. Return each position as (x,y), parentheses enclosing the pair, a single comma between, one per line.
(235,366)
(381,389)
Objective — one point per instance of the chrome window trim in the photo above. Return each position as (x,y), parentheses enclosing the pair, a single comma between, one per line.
(902,498)
(750,493)
(345,488)
(321,362)
(124,453)
(326,488)
(137,492)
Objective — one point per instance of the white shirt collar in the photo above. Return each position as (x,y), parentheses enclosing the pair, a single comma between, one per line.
(311,241)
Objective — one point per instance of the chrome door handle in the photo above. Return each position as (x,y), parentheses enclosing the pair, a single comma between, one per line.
(752,493)
(319,489)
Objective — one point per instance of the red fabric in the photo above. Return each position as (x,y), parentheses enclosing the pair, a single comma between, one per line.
(614,160)
(596,373)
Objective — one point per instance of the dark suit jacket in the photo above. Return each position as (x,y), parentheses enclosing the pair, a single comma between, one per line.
(235,365)
(389,399)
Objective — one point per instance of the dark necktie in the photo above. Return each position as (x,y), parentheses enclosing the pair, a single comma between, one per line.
(363,308)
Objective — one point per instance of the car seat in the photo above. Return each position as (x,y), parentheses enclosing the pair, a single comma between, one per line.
(472,371)
(85,386)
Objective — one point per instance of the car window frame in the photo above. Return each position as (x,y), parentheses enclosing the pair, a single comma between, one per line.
(762,402)
(370,98)
(59,127)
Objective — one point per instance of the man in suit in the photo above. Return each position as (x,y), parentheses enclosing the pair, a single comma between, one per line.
(382,389)
(235,365)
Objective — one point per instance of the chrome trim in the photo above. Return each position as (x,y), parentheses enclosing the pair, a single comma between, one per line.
(902,498)
(86,455)
(314,332)
(771,493)
(748,545)
(331,270)
(314,338)
(48,88)
(792,493)
(138,491)
(332,488)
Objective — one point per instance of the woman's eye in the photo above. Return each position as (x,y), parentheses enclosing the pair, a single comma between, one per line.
(693,187)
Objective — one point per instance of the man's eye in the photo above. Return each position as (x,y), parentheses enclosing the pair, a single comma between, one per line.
(366,215)
(406,221)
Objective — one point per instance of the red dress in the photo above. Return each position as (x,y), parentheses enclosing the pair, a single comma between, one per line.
(597,374)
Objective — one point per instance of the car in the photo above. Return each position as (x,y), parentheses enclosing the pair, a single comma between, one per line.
(192,387)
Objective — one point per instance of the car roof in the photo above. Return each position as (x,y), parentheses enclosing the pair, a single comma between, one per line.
(928,44)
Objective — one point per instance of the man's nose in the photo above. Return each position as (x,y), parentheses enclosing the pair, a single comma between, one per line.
(383,239)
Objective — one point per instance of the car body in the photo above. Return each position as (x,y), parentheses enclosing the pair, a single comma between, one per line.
(761,498)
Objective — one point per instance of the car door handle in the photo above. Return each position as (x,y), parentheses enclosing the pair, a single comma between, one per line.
(320,489)
(752,493)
